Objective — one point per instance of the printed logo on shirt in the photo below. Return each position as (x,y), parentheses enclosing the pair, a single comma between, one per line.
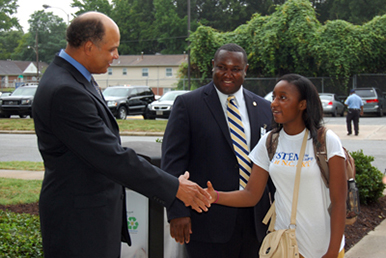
(290,159)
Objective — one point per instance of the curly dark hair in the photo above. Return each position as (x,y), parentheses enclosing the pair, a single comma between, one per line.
(313,114)
(83,29)
(231,47)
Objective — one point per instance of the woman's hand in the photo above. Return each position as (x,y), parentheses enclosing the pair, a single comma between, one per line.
(213,193)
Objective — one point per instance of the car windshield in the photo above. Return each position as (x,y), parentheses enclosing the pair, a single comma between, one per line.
(24,91)
(366,93)
(116,92)
(171,95)
(326,97)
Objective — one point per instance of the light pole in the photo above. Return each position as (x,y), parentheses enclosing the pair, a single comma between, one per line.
(46,6)
(36,49)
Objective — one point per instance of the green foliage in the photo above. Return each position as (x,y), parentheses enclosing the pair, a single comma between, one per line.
(8,8)
(368,178)
(102,6)
(50,32)
(292,40)
(9,40)
(20,235)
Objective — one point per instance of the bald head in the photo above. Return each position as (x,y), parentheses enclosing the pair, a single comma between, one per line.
(90,26)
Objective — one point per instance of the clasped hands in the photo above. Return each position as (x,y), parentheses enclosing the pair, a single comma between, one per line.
(193,195)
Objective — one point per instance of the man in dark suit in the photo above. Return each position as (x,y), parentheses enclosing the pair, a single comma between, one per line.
(197,139)
(82,201)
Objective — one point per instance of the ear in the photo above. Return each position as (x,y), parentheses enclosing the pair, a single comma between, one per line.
(245,70)
(303,104)
(87,47)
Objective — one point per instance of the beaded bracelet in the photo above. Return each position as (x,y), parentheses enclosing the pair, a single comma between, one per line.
(217,197)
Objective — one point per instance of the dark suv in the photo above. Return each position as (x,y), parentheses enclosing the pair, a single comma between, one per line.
(373,100)
(128,100)
(19,102)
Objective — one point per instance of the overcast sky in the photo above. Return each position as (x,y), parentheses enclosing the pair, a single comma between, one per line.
(28,7)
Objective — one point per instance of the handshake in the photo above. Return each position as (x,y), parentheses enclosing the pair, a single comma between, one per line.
(193,195)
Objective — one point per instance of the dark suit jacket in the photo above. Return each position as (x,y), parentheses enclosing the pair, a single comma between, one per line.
(197,140)
(82,201)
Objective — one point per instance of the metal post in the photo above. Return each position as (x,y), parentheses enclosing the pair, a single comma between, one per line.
(188,45)
(37,55)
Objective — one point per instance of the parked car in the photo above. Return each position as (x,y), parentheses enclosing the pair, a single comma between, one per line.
(331,104)
(19,102)
(162,107)
(268,96)
(128,100)
(373,100)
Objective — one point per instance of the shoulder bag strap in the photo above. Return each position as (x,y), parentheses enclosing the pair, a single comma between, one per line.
(297,180)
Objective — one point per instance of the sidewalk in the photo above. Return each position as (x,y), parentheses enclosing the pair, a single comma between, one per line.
(371,246)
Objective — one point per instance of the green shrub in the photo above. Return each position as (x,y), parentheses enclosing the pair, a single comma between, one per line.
(368,178)
(20,235)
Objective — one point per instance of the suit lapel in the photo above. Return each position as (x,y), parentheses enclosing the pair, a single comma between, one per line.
(214,105)
(254,121)
(83,82)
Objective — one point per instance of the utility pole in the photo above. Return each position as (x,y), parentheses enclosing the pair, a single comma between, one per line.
(188,45)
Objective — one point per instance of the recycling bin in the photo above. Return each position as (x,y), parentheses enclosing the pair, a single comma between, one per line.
(147,223)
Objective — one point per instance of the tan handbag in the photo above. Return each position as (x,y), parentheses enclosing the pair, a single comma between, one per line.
(282,243)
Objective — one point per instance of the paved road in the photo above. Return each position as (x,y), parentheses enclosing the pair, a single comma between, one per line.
(371,139)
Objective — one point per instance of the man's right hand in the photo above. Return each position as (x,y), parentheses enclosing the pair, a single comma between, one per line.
(192,194)
(180,229)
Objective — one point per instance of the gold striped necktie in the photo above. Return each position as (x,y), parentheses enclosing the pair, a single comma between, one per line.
(239,140)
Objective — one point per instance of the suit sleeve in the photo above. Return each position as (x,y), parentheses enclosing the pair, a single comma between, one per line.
(77,120)
(175,150)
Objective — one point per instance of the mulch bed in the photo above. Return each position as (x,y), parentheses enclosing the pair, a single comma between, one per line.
(371,216)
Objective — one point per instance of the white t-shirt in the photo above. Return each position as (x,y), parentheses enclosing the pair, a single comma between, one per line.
(312,217)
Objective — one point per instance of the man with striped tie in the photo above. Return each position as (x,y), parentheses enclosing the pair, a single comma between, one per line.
(210,133)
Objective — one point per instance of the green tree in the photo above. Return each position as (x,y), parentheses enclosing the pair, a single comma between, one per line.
(9,40)
(293,40)
(356,11)
(7,9)
(135,20)
(102,6)
(50,31)
(171,28)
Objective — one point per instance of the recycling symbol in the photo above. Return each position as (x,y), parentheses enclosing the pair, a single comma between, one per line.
(132,223)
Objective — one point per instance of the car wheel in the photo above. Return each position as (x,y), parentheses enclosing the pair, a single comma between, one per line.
(380,112)
(122,113)
(342,114)
(335,113)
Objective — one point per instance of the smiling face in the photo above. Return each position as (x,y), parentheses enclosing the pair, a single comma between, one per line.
(229,70)
(286,107)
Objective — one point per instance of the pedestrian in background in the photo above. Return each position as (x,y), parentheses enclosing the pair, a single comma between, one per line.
(355,110)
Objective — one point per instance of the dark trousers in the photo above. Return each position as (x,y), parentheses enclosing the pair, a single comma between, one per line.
(243,243)
(353,115)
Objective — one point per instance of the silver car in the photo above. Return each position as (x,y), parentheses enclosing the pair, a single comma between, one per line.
(162,107)
(331,104)
(373,100)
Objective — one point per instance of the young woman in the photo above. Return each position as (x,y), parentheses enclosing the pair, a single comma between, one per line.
(296,107)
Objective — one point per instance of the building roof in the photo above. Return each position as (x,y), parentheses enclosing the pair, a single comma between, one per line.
(150,60)
(11,67)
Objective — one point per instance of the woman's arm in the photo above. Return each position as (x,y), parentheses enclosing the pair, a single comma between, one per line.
(338,194)
(248,197)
